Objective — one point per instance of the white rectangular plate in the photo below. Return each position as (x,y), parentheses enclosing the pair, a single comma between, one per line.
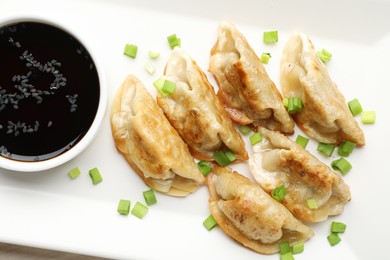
(48,210)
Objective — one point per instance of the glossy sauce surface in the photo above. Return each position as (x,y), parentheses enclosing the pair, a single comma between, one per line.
(49,91)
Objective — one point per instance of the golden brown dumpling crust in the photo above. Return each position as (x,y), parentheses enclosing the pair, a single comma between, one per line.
(195,111)
(277,161)
(245,89)
(325,115)
(249,215)
(149,143)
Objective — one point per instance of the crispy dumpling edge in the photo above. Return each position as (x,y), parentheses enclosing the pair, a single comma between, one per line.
(347,122)
(284,120)
(238,144)
(231,230)
(174,186)
(304,213)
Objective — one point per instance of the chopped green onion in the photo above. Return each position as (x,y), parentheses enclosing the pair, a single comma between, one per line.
(74,173)
(244,129)
(230,155)
(337,227)
(221,158)
(164,87)
(169,87)
(312,204)
(297,248)
(150,68)
(174,41)
(209,222)
(368,117)
(327,53)
(334,239)
(150,197)
(285,102)
(154,54)
(264,58)
(204,167)
(124,207)
(355,107)
(139,210)
(255,138)
(279,193)
(287,256)
(294,105)
(95,176)
(284,247)
(324,55)
(270,37)
(342,165)
(302,141)
(326,149)
(158,84)
(346,148)
(131,50)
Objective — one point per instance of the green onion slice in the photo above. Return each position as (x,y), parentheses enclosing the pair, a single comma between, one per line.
(342,165)
(124,207)
(150,68)
(74,173)
(174,41)
(244,129)
(139,210)
(154,54)
(95,176)
(285,102)
(326,149)
(150,197)
(346,148)
(130,50)
(297,248)
(230,155)
(255,138)
(302,141)
(312,204)
(334,239)
(169,87)
(324,55)
(279,192)
(264,58)
(368,117)
(164,87)
(221,158)
(204,167)
(284,247)
(355,107)
(158,84)
(270,37)
(294,105)
(337,227)
(209,222)
(287,256)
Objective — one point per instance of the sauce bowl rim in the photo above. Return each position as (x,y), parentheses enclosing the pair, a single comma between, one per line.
(85,141)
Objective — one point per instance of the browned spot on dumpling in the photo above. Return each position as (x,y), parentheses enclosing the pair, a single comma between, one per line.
(246,87)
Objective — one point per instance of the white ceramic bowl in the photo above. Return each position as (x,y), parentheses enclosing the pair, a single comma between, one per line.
(89,136)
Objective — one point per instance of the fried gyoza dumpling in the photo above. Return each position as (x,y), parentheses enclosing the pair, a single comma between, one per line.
(195,111)
(150,144)
(245,89)
(277,161)
(325,115)
(248,214)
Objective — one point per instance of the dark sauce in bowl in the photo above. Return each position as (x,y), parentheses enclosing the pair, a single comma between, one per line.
(49,91)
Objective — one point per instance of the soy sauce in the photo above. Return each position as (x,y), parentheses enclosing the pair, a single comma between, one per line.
(49,91)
